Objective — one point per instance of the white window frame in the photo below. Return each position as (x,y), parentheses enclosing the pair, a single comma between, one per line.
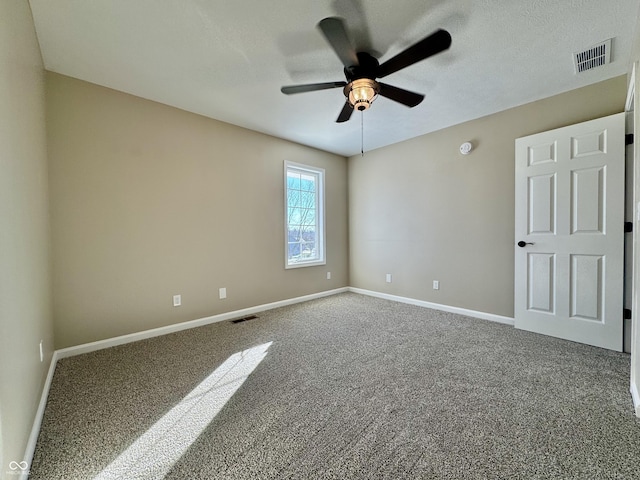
(318,173)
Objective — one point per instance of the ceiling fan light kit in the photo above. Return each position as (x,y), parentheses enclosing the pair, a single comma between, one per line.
(361,69)
(361,93)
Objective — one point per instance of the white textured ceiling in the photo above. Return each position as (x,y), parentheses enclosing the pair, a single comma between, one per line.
(227,59)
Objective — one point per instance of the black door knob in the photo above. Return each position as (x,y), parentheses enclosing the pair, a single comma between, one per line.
(522,243)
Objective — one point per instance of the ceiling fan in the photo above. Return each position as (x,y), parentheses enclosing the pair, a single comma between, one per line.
(361,69)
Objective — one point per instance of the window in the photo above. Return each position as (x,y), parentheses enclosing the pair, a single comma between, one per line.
(304,215)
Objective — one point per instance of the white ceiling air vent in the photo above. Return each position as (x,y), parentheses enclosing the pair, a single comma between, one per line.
(593,57)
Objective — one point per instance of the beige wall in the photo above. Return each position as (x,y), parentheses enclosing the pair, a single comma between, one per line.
(422,211)
(25,307)
(149,201)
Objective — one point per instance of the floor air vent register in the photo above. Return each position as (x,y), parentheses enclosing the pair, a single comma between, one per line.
(244,319)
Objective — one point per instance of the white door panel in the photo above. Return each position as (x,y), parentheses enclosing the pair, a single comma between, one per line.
(570,214)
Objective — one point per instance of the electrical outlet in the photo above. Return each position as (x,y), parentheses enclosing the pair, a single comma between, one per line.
(328,275)
(388,278)
(177,300)
(436,285)
(222,293)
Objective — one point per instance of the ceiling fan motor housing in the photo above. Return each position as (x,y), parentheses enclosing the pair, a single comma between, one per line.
(367,67)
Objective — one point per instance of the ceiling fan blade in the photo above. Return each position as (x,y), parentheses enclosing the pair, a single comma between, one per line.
(345,114)
(435,43)
(359,31)
(311,87)
(335,32)
(400,95)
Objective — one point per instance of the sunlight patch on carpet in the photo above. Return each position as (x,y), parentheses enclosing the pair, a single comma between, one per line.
(153,454)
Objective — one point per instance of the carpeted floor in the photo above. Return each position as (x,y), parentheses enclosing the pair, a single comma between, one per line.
(345,387)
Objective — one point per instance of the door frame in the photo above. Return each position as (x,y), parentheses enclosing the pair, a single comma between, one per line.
(633,104)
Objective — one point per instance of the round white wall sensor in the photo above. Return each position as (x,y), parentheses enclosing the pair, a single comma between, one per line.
(465,148)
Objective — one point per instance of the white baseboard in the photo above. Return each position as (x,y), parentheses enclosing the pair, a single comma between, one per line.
(37,422)
(156,332)
(635,396)
(436,306)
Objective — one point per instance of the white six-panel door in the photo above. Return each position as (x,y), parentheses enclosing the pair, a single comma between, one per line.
(569,189)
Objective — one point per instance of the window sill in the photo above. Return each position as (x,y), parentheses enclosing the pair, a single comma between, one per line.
(305,264)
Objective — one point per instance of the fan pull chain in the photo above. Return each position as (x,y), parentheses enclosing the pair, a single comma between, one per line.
(362,133)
